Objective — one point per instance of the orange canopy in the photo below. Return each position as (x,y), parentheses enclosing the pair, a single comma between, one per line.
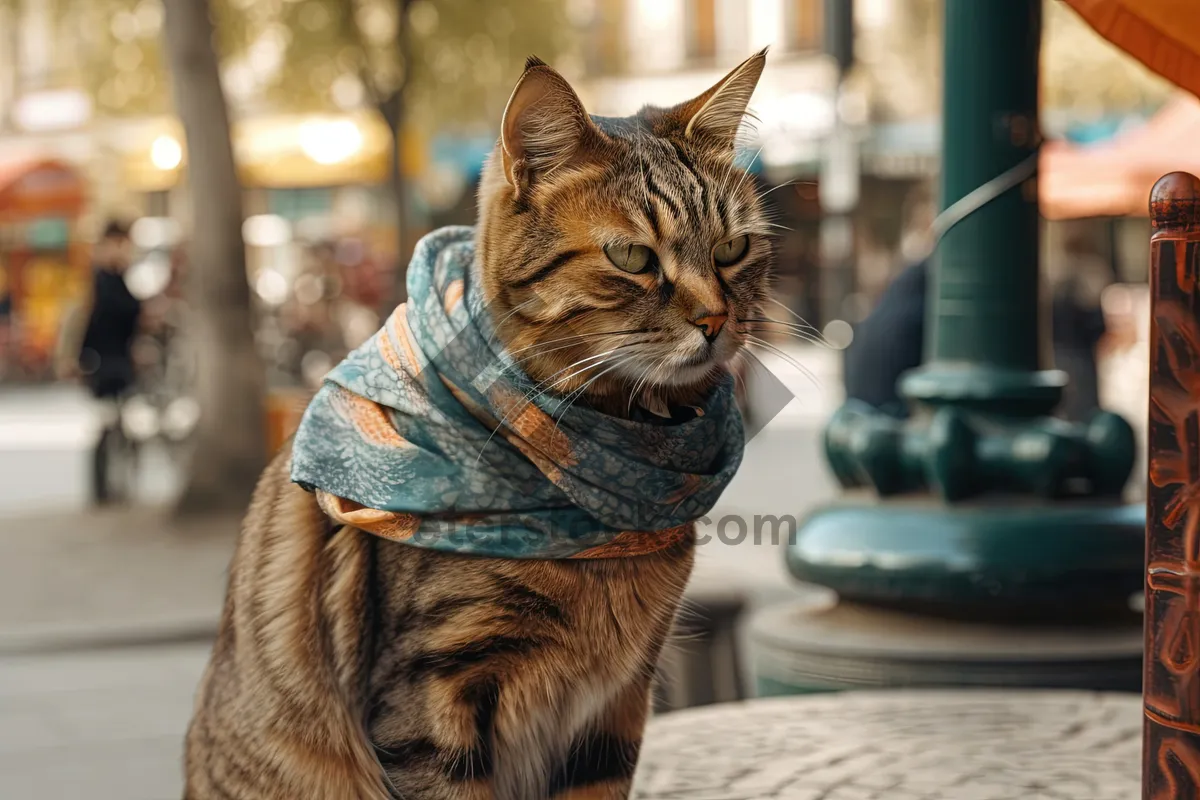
(1162,34)
(1114,178)
(39,187)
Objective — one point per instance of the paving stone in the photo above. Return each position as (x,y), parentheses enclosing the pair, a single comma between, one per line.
(959,745)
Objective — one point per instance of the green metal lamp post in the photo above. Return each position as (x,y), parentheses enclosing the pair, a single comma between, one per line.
(981,505)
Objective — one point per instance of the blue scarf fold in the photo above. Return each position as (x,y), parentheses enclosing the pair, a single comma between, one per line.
(431,434)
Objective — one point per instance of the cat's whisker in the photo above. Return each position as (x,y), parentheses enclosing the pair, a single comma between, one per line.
(516,309)
(746,174)
(789,328)
(633,392)
(570,398)
(815,338)
(786,183)
(581,337)
(660,369)
(738,380)
(579,392)
(807,373)
(802,320)
(756,363)
(637,143)
(776,350)
(534,394)
(791,334)
(526,358)
(644,379)
(787,358)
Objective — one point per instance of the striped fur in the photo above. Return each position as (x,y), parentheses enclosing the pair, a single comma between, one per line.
(349,666)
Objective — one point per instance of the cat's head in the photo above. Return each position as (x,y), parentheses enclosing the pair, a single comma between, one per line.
(623,257)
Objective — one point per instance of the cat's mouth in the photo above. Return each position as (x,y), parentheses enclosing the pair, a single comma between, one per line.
(676,365)
(699,364)
(704,357)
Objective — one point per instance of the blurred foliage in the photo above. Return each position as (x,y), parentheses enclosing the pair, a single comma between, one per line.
(118,52)
(1082,73)
(314,55)
(902,61)
(465,55)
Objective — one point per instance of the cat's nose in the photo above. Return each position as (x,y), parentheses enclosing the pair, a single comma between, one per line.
(710,324)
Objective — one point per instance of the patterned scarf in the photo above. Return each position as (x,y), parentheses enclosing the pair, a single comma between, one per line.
(431,435)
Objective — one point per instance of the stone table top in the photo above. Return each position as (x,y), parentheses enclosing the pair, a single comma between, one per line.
(899,745)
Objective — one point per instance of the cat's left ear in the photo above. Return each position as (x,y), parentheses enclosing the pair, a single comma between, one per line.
(716,115)
(544,125)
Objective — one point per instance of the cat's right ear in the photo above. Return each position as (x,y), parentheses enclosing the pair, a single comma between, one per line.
(544,125)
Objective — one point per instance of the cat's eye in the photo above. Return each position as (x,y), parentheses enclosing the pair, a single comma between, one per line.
(731,252)
(633,258)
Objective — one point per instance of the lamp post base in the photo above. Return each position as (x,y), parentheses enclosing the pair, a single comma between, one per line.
(1012,559)
(822,645)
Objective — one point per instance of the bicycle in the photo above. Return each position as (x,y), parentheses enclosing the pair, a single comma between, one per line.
(114,458)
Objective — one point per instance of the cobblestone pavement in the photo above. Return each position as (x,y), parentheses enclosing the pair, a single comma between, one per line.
(899,746)
(109,726)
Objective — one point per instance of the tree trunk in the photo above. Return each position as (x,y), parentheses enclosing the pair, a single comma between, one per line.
(395,121)
(394,111)
(10,13)
(230,440)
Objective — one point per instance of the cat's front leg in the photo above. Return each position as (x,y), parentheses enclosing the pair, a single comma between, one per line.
(602,759)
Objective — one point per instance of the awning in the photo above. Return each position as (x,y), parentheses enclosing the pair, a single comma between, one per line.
(1114,178)
(39,187)
(1162,34)
(284,151)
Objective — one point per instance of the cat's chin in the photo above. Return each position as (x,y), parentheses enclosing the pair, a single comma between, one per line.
(697,374)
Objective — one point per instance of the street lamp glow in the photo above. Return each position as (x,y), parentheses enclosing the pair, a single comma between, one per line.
(166,153)
(330,141)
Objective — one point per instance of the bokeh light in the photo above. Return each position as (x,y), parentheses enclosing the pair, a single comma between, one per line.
(166,153)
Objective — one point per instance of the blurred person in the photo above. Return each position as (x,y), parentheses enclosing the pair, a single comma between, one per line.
(106,361)
(5,321)
(1078,324)
(891,340)
(106,354)
(888,343)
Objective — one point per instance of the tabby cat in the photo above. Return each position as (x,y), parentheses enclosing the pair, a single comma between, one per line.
(351,666)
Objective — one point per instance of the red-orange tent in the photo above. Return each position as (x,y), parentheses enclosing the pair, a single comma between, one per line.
(1114,178)
(39,187)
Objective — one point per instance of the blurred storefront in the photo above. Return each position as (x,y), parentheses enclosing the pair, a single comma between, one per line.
(320,228)
(43,262)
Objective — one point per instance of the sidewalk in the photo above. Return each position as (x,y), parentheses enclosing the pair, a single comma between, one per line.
(110,577)
(106,617)
(102,724)
(105,627)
